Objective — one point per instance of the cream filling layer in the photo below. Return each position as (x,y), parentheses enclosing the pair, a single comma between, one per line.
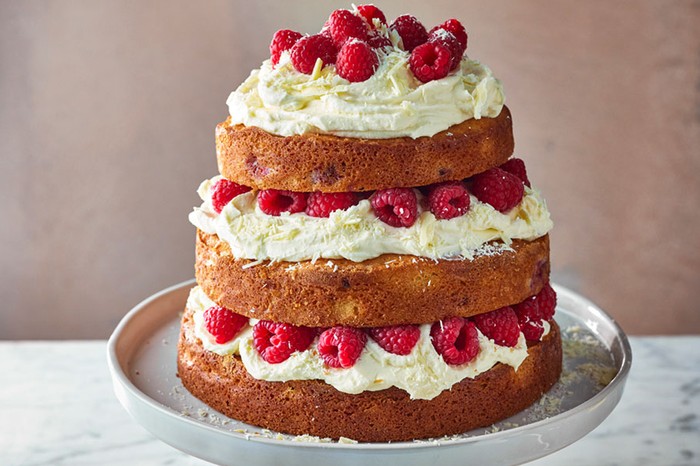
(423,374)
(357,234)
(392,103)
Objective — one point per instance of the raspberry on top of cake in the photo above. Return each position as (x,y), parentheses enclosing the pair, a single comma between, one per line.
(361,77)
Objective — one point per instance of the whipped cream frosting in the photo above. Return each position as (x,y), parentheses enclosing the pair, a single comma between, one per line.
(423,374)
(357,234)
(392,103)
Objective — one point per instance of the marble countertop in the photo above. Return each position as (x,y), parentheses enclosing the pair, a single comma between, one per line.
(58,409)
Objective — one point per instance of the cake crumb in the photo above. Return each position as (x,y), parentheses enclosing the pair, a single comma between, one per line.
(600,374)
(311,439)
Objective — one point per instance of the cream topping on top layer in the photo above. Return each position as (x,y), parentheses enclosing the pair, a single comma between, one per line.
(423,374)
(357,234)
(392,103)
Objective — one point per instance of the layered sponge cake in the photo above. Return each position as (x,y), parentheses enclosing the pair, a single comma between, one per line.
(371,261)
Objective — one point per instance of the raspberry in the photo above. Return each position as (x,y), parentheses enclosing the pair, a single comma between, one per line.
(276,341)
(456,28)
(322,204)
(275,201)
(378,41)
(397,339)
(534,310)
(516,167)
(223,324)
(500,325)
(356,61)
(343,25)
(308,49)
(411,30)
(397,207)
(455,339)
(546,301)
(446,38)
(430,61)
(340,347)
(223,191)
(448,200)
(326,31)
(284,39)
(532,330)
(529,318)
(498,188)
(369,12)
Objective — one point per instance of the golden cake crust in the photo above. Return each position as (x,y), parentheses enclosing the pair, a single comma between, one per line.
(316,408)
(387,290)
(322,162)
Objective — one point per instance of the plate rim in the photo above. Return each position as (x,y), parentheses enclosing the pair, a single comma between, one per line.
(119,376)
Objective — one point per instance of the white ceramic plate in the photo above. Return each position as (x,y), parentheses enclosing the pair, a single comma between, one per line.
(142,362)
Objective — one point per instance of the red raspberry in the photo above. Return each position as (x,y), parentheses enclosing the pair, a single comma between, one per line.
(275,201)
(529,318)
(224,191)
(546,301)
(276,341)
(369,12)
(447,39)
(322,204)
(448,200)
(343,25)
(516,167)
(378,41)
(455,339)
(500,325)
(528,309)
(456,28)
(535,309)
(284,39)
(397,207)
(356,61)
(223,323)
(340,347)
(532,330)
(498,188)
(430,61)
(309,48)
(397,339)
(411,30)
(326,31)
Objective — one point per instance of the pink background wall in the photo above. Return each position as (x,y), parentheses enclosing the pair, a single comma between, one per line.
(107,114)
